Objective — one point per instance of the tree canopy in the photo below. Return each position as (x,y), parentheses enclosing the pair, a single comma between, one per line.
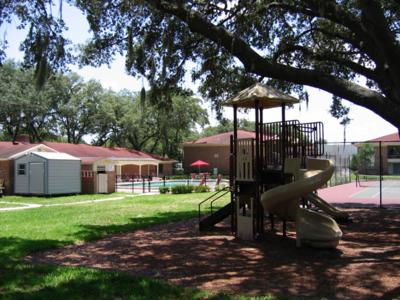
(349,48)
(68,109)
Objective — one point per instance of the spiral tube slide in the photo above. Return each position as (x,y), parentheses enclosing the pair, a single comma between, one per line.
(312,228)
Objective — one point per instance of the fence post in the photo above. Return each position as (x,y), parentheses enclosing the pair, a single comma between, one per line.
(148,183)
(348,166)
(143,185)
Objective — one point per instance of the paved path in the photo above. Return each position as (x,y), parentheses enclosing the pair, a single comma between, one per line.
(33,205)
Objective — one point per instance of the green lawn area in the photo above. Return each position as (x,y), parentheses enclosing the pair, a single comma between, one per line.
(27,231)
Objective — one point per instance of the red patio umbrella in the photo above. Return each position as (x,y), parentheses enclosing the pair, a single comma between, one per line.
(199,163)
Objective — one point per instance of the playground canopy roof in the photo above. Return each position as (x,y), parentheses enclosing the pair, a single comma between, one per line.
(267,96)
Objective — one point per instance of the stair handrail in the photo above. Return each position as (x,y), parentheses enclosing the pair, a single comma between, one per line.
(212,201)
(224,189)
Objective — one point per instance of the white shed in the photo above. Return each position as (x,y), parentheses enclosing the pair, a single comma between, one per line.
(47,173)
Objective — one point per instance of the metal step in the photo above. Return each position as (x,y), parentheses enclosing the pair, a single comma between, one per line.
(208,222)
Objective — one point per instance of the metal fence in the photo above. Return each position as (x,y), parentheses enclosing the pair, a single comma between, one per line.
(374,166)
(135,184)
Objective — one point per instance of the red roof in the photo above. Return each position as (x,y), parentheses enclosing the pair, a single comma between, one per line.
(224,138)
(8,149)
(164,159)
(89,152)
(394,137)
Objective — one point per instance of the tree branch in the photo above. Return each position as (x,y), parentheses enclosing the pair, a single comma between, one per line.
(328,56)
(255,63)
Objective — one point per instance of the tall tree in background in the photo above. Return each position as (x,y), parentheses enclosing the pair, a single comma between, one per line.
(76,104)
(124,120)
(349,48)
(68,108)
(24,109)
(226,125)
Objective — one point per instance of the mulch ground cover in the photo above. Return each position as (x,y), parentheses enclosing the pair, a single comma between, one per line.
(365,265)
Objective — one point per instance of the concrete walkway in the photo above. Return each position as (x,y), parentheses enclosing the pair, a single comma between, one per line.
(34,205)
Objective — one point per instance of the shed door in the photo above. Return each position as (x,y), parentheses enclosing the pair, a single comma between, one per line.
(36,178)
(102,183)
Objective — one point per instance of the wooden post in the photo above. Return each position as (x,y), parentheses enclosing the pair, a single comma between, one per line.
(257,205)
(283,142)
(234,168)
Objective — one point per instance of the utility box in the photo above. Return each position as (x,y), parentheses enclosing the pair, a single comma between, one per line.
(47,173)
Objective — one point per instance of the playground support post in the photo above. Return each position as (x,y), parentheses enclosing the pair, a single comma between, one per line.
(235,189)
(257,168)
(380,174)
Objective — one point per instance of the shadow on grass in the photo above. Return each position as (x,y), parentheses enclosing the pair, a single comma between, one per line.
(14,248)
(51,282)
(19,280)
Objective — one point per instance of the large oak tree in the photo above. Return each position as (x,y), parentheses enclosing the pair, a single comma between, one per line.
(349,48)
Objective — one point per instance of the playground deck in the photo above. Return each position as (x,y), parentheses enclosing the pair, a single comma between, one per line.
(365,265)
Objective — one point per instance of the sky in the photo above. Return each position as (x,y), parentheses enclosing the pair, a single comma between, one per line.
(364,124)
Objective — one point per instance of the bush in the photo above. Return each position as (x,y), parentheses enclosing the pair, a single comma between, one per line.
(164,189)
(178,171)
(182,189)
(220,187)
(172,177)
(201,189)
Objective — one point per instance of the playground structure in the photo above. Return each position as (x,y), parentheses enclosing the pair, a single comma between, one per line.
(277,173)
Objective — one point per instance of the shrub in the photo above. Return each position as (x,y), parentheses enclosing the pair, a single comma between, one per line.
(183,176)
(164,189)
(220,187)
(201,189)
(179,172)
(182,189)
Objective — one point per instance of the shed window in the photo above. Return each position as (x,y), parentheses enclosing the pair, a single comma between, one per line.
(101,169)
(21,169)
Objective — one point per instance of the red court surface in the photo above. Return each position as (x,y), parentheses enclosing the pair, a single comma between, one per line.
(367,193)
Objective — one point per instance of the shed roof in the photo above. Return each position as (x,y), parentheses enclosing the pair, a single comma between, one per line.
(267,96)
(9,150)
(222,138)
(55,155)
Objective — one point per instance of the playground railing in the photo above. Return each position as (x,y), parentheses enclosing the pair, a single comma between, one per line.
(214,197)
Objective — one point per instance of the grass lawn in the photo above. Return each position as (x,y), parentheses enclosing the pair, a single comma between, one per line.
(23,232)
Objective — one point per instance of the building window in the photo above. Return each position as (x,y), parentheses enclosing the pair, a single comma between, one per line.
(21,169)
(393,151)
